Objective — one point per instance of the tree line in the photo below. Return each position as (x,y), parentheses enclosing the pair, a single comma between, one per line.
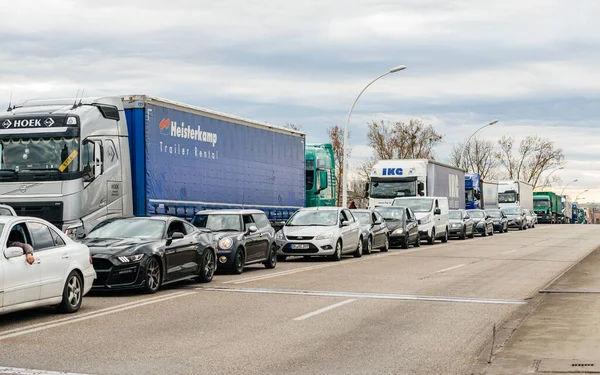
(531,160)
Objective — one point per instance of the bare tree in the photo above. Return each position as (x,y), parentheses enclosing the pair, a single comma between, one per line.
(478,156)
(336,137)
(399,140)
(535,156)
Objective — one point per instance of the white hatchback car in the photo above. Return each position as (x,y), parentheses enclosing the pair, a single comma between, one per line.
(61,274)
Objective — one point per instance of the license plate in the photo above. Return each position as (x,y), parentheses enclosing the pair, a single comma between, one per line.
(300,246)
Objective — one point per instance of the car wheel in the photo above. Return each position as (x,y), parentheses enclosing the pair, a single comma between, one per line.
(207,267)
(484,233)
(153,276)
(418,240)
(72,294)
(492,231)
(272,258)
(404,244)
(472,235)
(386,245)
(463,234)
(337,256)
(445,238)
(431,239)
(359,248)
(238,262)
(369,247)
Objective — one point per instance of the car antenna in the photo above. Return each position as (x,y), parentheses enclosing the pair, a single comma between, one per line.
(9,103)
(75,102)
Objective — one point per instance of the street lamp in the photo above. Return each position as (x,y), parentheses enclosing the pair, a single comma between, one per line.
(469,140)
(546,181)
(345,160)
(580,194)
(563,190)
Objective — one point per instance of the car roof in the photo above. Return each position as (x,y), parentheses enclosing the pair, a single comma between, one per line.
(323,208)
(230,211)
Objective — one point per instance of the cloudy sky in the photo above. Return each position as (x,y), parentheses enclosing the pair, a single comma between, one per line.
(531,64)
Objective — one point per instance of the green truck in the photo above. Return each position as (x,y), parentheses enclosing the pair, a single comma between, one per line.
(321,184)
(548,207)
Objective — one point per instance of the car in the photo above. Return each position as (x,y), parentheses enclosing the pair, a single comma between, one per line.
(530,220)
(499,219)
(6,210)
(245,237)
(461,224)
(483,222)
(403,226)
(60,276)
(375,231)
(145,253)
(516,217)
(320,231)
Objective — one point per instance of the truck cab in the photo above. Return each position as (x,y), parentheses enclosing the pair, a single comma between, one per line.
(472,191)
(320,175)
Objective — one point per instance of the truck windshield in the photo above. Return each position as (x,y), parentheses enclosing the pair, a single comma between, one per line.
(417,205)
(27,154)
(541,203)
(507,197)
(469,195)
(393,189)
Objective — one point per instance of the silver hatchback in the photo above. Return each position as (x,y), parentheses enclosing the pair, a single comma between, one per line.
(320,231)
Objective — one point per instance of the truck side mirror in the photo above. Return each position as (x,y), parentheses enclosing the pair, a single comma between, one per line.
(421,188)
(437,211)
(367,190)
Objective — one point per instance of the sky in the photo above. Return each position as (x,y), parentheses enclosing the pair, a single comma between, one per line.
(530,64)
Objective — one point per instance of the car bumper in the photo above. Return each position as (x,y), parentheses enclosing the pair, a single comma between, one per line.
(397,240)
(514,224)
(88,279)
(115,277)
(306,248)
(498,227)
(455,231)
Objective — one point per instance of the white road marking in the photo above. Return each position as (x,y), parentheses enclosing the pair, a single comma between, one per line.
(25,371)
(406,297)
(81,315)
(324,309)
(44,326)
(510,251)
(450,268)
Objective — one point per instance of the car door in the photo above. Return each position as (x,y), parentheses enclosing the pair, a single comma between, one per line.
(253,241)
(22,281)
(351,232)
(377,230)
(53,260)
(189,255)
(175,251)
(412,227)
(265,231)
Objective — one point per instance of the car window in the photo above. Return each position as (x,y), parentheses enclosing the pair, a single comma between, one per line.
(176,226)
(261,220)
(189,228)
(58,241)
(42,238)
(349,216)
(19,233)
(247,221)
(5,212)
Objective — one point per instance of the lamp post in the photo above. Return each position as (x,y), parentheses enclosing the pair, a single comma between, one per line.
(580,194)
(546,181)
(344,159)
(563,190)
(469,140)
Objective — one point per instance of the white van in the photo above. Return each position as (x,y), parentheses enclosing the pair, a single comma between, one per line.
(432,213)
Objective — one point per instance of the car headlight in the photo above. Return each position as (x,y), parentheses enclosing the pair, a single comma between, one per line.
(324,236)
(225,243)
(131,258)
(399,231)
(455,225)
(279,235)
(425,219)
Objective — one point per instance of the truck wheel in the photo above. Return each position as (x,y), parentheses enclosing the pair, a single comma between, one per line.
(431,239)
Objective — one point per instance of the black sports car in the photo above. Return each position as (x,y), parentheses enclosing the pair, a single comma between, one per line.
(147,252)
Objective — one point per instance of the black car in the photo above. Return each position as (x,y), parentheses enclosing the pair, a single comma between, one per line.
(374,229)
(499,219)
(461,224)
(484,224)
(148,252)
(243,237)
(402,224)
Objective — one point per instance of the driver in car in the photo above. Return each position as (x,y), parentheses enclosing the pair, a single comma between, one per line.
(13,240)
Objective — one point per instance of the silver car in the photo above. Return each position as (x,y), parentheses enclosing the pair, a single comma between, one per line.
(320,231)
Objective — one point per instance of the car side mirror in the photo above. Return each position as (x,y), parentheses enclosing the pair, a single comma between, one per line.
(345,223)
(13,252)
(419,222)
(437,211)
(377,222)
(252,229)
(177,236)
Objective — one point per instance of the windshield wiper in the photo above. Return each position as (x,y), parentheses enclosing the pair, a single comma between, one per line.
(8,174)
(39,171)
(226,230)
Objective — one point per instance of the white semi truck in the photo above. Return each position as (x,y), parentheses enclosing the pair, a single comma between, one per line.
(515,193)
(415,178)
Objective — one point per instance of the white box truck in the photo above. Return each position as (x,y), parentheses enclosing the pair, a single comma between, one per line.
(398,178)
(515,193)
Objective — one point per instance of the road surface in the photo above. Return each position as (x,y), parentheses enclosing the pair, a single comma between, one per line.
(427,310)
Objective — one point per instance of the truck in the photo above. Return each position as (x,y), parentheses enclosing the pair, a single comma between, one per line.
(396,178)
(320,164)
(515,193)
(567,209)
(77,162)
(548,207)
(574,213)
(480,194)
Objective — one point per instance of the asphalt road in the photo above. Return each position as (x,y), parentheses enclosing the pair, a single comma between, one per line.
(428,310)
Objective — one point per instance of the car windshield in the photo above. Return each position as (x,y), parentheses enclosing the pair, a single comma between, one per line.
(416,204)
(454,214)
(218,222)
(512,210)
(541,203)
(391,213)
(313,218)
(130,228)
(363,217)
(5,212)
(476,214)
(495,213)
